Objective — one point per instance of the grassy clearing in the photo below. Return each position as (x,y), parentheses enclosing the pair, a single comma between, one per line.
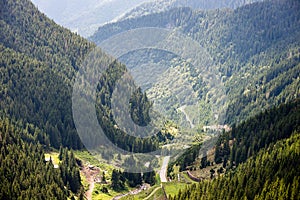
(158,195)
(172,188)
(86,157)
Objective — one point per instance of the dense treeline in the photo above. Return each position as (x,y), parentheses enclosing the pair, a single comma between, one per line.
(38,62)
(278,84)
(69,170)
(120,179)
(26,30)
(139,106)
(23,172)
(258,132)
(31,91)
(184,160)
(271,174)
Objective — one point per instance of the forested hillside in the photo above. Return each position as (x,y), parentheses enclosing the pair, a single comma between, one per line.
(25,174)
(39,61)
(271,174)
(259,40)
(259,159)
(260,131)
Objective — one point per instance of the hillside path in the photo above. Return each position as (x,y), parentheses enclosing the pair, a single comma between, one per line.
(182,109)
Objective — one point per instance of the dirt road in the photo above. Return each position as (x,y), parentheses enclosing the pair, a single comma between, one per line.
(90,173)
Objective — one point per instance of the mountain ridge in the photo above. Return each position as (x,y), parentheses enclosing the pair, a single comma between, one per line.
(164,5)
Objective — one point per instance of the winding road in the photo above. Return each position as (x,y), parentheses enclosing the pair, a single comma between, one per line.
(163,179)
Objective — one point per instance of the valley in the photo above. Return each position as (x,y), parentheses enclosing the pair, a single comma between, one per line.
(155,100)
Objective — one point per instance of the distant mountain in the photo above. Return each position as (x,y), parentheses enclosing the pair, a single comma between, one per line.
(85,17)
(163,5)
(259,40)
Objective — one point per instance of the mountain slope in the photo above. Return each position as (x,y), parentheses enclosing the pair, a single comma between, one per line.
(38,62)
(24,173)
(271,174)
(259,40)
(260,159)
(164,5)
(260,131)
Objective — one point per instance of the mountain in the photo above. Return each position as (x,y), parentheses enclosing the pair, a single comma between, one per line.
(164,5)
(84,17)
(39,62)
(259,40)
